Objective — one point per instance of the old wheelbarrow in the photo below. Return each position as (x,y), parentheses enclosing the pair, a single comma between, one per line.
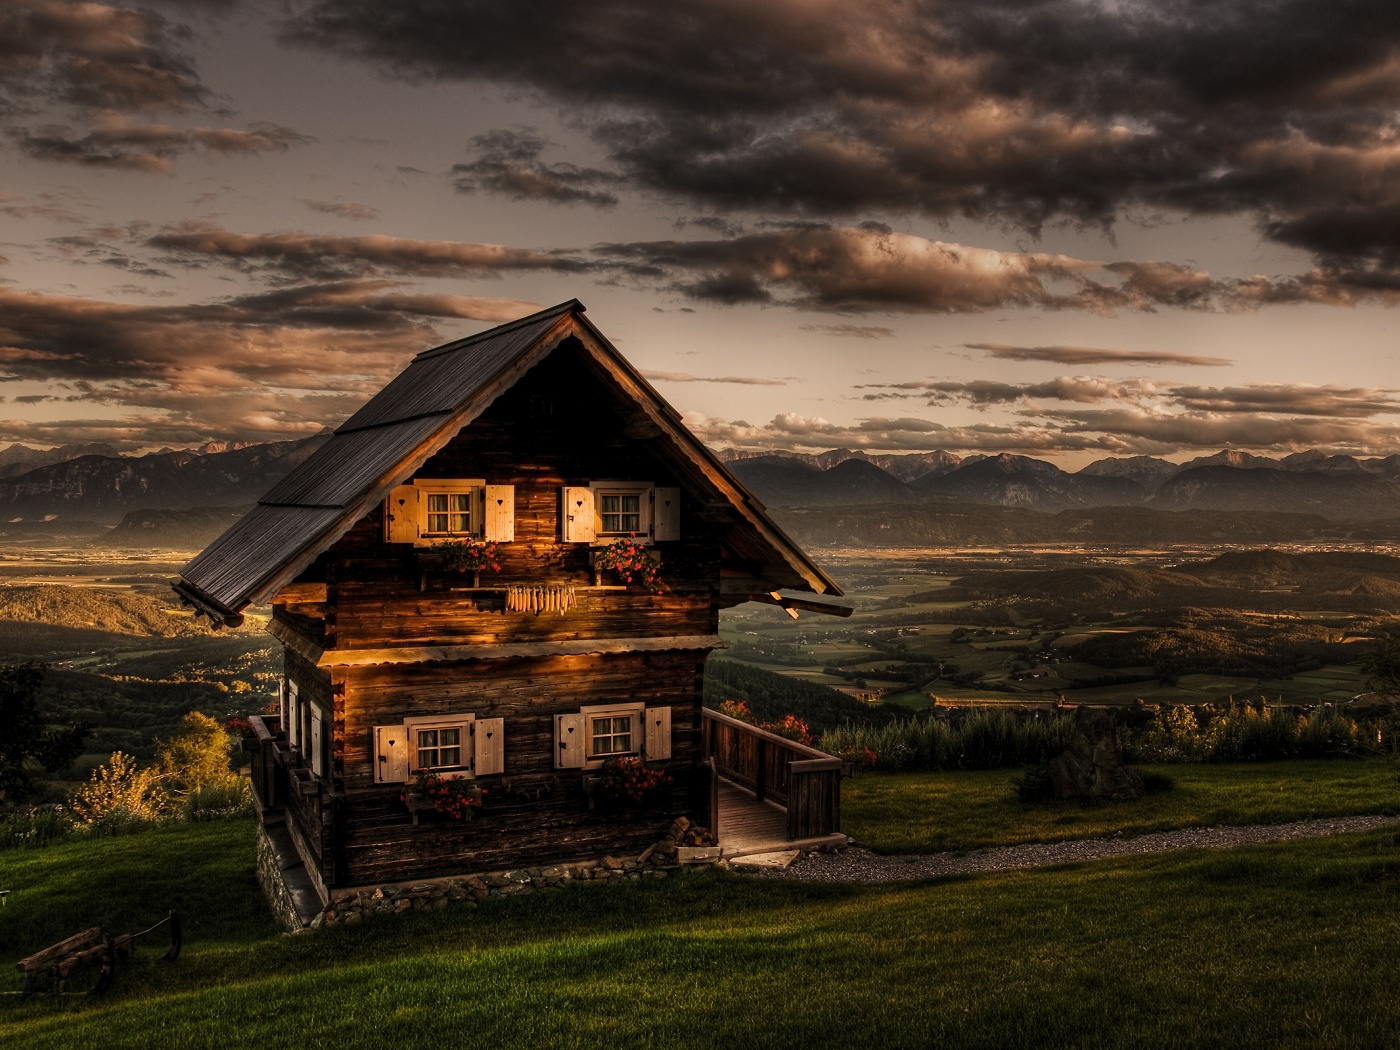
(85,963)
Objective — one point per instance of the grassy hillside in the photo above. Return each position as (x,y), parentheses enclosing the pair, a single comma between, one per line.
(1284,945)
(93,609)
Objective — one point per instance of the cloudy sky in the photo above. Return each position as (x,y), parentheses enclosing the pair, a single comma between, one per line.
(1065,228)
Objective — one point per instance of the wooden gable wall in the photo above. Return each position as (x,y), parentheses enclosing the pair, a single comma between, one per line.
(559,425)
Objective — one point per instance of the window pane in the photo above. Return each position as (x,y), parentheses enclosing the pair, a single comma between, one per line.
(449,747)
(461,517)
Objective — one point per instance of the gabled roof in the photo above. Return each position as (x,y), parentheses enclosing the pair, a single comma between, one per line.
(415,416)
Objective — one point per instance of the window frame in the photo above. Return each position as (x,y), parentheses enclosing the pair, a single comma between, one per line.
(636,712)
(429,487)
(463,770)
(643,490)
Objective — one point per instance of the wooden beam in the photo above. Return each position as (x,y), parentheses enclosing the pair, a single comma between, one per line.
(299,593)
(294,640)
(513,650)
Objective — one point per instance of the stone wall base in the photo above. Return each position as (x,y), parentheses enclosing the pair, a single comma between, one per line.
(355,904)
(274,887)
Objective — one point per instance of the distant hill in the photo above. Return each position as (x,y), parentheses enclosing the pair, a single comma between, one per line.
(1147,471)
(783,481)
(106,488)
(905,467)
(89,608)
(191,529)
(1257,579)
(20,459)
(1339,495)
(1019,481)
(970,525)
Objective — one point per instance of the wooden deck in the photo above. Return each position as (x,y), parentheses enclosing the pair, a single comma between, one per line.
(749,825)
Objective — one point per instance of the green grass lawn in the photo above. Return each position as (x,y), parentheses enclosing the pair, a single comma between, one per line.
(934,812)
(1292,944)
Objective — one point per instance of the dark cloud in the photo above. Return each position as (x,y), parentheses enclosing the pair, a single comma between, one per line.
(1092,355)
(308,256)
(508,163)
(851,331)
(45,205)
(116,143)
(686,377)
(254,366)
(985,392)
(1123,431)
(1012,111)
(344,209)
(94,56)
(815,266)
(1287,398)
(1295,399)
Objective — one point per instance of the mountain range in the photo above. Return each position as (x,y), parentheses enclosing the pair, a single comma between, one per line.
(93,483)
(1342,488)
(104,488)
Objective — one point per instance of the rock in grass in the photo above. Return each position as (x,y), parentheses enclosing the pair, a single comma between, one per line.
(1093,766)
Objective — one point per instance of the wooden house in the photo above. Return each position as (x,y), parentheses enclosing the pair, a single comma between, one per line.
(526,678)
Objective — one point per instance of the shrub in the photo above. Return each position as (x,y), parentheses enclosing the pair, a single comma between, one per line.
(982,738)
(218,800)
(118,793)
(196,756)
(1328,733)
(39,826)
(1172,736)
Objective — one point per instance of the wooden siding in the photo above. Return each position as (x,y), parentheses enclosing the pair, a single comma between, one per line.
(380,841)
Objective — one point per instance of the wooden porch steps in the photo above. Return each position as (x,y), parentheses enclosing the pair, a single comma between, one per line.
(747,825)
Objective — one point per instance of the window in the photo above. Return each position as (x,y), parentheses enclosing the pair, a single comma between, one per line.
(439,747)
(450,509)
(450,514)
(439,743)
(604,511)
(589,737)
(610,735)
(431,510)
(623,511)
(455,745)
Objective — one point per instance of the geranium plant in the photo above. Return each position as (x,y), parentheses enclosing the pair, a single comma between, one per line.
(629,778)
(630,560)
(452,798)
(469,555)
(791,727)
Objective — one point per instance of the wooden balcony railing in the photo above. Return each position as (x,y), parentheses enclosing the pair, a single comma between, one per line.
(262,749)
(807,782)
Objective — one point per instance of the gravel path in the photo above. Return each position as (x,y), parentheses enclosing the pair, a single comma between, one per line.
(860,865)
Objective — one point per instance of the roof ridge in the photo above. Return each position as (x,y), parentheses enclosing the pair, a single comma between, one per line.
(501,329)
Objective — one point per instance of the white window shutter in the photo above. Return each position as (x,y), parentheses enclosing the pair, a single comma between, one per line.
(390,755)
(500,513)
(577,516)
(489,739)
(293,715)
(658,733)
(568,740)
(318,744)
(282,704)
(401,515)
(666,514)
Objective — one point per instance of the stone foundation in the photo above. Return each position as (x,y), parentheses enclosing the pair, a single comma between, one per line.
(274,886)
(354,905)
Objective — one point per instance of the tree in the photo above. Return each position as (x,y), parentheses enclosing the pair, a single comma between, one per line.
(197,756)
(26,738)
(1382,666)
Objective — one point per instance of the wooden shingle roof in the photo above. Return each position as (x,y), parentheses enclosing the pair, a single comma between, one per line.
(413,417)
